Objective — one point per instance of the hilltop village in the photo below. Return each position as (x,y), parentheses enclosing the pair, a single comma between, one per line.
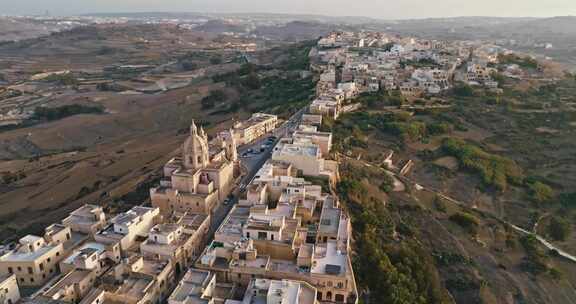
(220,231)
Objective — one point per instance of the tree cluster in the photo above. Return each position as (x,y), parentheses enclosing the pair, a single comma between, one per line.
(496,171)
(49,114)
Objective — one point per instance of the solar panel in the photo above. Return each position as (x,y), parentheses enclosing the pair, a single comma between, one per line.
(332,269)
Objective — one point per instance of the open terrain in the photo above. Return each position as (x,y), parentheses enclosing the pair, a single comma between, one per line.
(120,112)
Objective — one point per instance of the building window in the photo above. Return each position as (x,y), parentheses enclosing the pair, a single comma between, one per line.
(48,260)
(57,253)
(10,270)
(30,270)
(329,296)
(32,280)
(67,236)
(319,296)
(339,298)
(19,268)
(41,267)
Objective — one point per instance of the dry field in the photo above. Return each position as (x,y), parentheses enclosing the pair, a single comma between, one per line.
(97,158)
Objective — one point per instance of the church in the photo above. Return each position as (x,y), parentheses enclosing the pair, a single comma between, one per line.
(201,177)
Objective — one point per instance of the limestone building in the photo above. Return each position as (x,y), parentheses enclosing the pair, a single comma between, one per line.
(9,292)
(201,177)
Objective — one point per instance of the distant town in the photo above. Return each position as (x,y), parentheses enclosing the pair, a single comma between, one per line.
(251,214)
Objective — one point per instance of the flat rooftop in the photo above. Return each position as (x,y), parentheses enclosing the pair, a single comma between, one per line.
(98,247)
(298,149)
(256,119)
(329,220)
(74,277)
(328,259)
(153,267)
(232,224)
(86,210)
(192,220)
(20,255)
(135,287)
(191,287)
(312,134)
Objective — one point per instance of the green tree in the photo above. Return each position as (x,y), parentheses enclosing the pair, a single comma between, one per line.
(439,204)
(387,184)
(466,221)
(541,192)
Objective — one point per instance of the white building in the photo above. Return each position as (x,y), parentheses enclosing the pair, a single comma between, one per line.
(127,226)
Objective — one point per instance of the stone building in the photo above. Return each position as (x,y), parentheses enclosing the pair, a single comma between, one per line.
(201,177)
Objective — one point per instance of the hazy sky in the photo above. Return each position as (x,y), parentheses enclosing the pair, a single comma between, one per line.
(388,9)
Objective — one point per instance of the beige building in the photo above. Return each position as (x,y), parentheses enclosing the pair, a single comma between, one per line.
(197,287)
(35,259)
(200,178)
(91,256)
(71,288)
(311,134)
(326,107)
(305,157)
(312,119)
(287,229)
(255,127)
(179,241)
(9,292)
(411,89)
(136,280)
(303,237)
(87,219)
(128,226)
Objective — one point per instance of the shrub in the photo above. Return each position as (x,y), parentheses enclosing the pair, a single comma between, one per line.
(49,114)
(495,170)
(535,261)
(541,192)
(387,184)
(466,221)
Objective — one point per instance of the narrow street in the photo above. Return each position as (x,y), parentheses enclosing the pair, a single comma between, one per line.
(252,163)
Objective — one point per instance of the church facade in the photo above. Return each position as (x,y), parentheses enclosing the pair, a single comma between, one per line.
(201,177)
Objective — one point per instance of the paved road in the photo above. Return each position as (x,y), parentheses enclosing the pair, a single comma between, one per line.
(253,163)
